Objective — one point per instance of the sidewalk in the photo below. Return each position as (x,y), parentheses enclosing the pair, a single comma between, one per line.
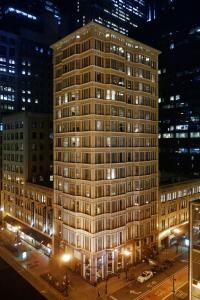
(37,264)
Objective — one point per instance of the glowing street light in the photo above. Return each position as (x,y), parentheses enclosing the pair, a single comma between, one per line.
(65,258)
(127,254)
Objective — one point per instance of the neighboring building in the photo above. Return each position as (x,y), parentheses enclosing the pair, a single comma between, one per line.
(105,149)
(25,74)
(119,15)
(194,258)
(27,144)
(27,149)
(179,85)
(27,30)
(30,212)
(173,208)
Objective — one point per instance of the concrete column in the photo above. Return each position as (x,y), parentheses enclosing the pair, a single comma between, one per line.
(103,266)
(83,265)
(115,260)
(93,265)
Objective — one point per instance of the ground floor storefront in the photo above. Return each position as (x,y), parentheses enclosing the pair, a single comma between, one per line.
(27,234)
(99,266)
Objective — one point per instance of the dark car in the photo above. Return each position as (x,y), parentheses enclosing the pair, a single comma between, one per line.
(164,266)
(169,262)
(156,269)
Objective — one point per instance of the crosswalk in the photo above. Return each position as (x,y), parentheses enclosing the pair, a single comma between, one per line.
(181,295)
(159,293)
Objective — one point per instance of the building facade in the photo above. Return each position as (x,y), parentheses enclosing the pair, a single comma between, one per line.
(194,259)
(119,15)
(105,149)
(173,207)
(179,85)
(27,145)
(27,30)
(27,148)
(30,212)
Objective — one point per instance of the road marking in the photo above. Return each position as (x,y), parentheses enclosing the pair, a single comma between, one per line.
(134,292)
(181,295)
(159,293)
(113,298)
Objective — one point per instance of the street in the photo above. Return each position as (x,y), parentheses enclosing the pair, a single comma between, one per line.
(13,286)
(159,287)
(118,288)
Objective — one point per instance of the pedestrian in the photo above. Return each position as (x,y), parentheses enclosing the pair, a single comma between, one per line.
(99,294)
(118,275)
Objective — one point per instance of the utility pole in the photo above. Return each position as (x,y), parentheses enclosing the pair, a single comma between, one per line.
(173,284)
(106,286)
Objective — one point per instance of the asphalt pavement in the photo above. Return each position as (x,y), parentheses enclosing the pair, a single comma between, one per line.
(135,288)
(14,287)
(182,293)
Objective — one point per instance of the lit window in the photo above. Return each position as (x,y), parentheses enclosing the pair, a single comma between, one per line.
(181,127)
(194,134)
(167,135)
(182,135)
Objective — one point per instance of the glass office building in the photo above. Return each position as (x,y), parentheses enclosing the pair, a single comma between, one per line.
(119,15)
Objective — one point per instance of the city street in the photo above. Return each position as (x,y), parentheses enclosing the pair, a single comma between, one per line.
(159,287)
(13,286)
(182,293)
(37,264)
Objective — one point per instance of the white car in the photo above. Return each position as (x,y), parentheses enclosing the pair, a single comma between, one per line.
(146,275)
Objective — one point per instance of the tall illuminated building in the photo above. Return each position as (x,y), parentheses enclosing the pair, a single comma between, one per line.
(105,149)
(27,30)
(119,15)
(179,85)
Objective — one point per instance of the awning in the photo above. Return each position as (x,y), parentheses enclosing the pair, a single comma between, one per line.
(39,237)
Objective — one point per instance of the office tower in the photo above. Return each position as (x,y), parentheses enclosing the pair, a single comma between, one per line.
(179,87)
(194,259)
(155,8)
(105,149)
(119,15)
(27,30)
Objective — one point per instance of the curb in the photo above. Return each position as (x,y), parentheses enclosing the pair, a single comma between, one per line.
(40,285)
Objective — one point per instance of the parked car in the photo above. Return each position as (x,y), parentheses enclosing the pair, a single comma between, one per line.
(146,275)
(152,262)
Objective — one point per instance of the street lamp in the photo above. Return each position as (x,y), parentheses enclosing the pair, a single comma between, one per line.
(173,285)
(127,254)
(17,238)
(106,286)
(65,259)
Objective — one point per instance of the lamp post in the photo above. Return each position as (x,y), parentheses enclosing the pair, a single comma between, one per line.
(173,285)
(106,286)
(65,259)
(127,254)
(17,238)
